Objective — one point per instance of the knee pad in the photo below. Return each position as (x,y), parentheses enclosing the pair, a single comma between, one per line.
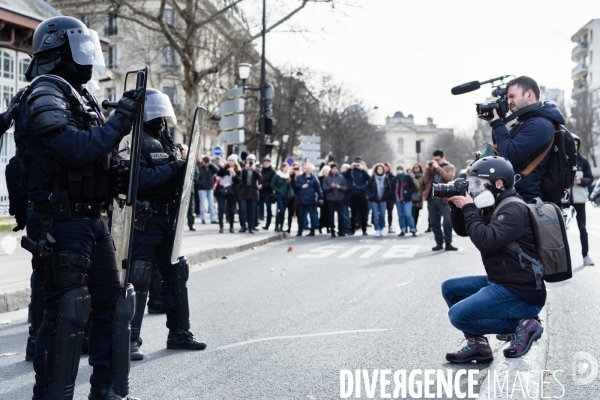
(68,332)
(140,276)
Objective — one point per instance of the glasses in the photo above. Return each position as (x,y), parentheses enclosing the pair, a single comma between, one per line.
(476,185)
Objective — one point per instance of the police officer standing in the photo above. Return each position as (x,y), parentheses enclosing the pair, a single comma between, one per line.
(160,168)
(65,153)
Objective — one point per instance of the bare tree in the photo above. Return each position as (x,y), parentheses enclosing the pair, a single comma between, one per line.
(585,121)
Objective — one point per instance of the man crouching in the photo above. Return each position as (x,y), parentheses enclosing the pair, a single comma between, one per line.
(505,300)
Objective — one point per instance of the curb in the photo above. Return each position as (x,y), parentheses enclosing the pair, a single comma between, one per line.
(523,375)
(16,299)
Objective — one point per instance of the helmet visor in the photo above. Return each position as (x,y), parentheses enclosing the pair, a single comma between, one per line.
(476,186)
(158,105)
(85,48)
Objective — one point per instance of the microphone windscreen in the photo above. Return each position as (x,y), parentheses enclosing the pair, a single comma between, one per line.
(466,87)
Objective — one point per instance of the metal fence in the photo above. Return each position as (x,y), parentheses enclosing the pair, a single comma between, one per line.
(7,150)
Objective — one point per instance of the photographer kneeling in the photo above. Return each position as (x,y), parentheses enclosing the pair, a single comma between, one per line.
(505,300)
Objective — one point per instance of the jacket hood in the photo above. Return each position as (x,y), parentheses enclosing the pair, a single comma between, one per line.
(546,110)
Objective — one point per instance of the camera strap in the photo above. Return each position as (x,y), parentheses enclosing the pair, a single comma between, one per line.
(522,111)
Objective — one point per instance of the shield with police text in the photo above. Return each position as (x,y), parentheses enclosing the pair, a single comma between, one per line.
(186,184)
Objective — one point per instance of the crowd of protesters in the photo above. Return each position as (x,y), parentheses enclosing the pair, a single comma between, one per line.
(338,200)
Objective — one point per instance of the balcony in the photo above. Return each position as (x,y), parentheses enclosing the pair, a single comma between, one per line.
(579,51)
(579,71)
(578,91)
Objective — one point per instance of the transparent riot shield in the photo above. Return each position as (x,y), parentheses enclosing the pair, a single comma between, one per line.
(186,184)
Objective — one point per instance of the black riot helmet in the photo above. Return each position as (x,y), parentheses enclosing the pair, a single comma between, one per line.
(66,47)
(493,168)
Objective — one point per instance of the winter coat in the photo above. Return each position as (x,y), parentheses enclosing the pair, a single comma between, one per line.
(332,194)
(445,172)
(405,187)
(206,177)
(419,186)
(527,139)
(372,189)
(357,181)
(249,192)
(490,236)
(579,192)
(309,195)
(282,185)
(267,177)
(235,182)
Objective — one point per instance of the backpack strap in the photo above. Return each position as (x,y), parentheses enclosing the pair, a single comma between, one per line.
(510,199)
(533,165)
(535,264)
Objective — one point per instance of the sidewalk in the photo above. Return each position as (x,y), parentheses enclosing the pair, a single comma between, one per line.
(205,244)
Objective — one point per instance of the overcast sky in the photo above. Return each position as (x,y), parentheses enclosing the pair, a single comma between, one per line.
(406,55)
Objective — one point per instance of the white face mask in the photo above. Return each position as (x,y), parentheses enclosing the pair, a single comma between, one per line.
(484,199)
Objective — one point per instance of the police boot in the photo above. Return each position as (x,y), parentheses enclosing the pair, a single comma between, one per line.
(178,310)
(180,339)
(97,393)
(140,275)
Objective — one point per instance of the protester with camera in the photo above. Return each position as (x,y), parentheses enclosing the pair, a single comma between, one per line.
(228,191)
(528,138)
(579,196)
(357,178)
(439,171)
(506,299)
(403,193)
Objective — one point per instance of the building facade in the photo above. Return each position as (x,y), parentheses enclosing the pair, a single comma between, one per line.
(406,138)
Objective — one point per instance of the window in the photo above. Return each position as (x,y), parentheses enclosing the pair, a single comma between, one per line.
(110,94)
(111,24)
(7,65)
(591,57)
(169,54)
(7,95)
(169,17)
(111,61)
(400,146)
(23,64)
(85,18)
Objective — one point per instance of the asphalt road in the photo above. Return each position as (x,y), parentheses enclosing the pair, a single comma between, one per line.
(282,320)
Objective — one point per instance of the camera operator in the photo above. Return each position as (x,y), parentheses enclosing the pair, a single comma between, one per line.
(439,171)
(530,137)
(505,300)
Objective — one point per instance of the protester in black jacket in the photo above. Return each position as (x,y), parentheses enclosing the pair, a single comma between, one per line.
(506,299)
(379,189)
(249,194)
(266,192)
(228,187)
(579,196)
(357,179)
(206,183)
(391,201)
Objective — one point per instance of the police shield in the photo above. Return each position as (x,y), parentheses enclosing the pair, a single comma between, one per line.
(186,184)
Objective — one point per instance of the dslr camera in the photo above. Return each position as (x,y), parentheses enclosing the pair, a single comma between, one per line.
(458,187)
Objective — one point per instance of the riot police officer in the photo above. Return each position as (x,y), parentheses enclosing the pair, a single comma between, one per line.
(65,151)
(158,183)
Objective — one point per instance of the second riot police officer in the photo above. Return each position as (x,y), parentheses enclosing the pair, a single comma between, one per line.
(65,151)
(160,174)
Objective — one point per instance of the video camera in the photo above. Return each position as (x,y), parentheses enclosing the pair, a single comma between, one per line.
(458,187)
(485,110)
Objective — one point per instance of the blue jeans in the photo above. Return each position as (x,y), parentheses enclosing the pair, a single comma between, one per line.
(480,307)
(346,210)
(207,195)
(303,210)
(378,208)
(405,215)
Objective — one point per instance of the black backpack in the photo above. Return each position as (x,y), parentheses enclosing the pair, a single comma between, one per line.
(561,167)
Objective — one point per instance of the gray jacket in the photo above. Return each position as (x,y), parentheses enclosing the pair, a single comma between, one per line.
(332,194)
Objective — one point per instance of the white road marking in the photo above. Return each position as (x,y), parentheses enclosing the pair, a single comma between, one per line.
(371,249)
(296,337)
(321,251)
(407,282)
(401,251)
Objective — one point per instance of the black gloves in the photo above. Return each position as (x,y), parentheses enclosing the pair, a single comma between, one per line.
(178,164)
(21,221)
(129,104)
(119,178)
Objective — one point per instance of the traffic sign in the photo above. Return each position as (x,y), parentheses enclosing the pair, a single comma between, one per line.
(230,122)
(311,154)
(310,146)
(217,151)
(310,139)
(235,93)
(232,107)
(231,137)
(289,161)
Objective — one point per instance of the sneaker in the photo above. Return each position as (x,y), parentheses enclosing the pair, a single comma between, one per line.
(135,354)
(587,261)
(299,234)
(528,331)
(438,247)
(382,233)
(243,229)
(365,233)
(477,349)
(192,229)
(180,339)
(401,233)
(214,222)
(231,230)
(391,230)
(312,233)
(251,231)
(449,247)
(266,228)
(220,230)
(414,233)
(505,337)
(428,230)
